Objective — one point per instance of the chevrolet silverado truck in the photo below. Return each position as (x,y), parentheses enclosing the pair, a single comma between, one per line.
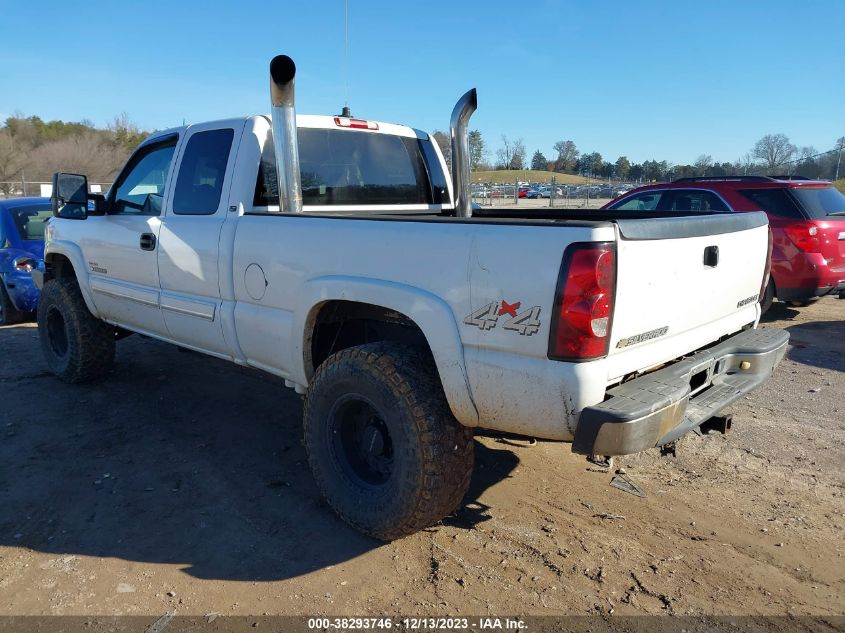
(338,254)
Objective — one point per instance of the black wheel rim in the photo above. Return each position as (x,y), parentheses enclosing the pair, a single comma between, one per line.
(363,446)
(57,332)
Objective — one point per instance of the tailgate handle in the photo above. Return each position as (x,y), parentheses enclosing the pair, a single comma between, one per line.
(711,256)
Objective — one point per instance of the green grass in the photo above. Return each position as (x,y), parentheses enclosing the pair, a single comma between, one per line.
(509,176)
(840,184)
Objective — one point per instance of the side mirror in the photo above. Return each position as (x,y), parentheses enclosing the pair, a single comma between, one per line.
(70,196)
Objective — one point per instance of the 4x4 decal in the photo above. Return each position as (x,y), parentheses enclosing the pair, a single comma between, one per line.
(524,323)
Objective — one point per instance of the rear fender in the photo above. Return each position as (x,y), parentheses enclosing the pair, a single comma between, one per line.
(429,312)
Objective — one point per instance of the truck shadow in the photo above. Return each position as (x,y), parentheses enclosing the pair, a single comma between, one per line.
(177,459)
(777,312)
(819,344)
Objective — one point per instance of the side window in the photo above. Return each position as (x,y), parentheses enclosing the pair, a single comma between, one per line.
(199,184)
(646,201)
(692,200)
(775,201)
(140,188)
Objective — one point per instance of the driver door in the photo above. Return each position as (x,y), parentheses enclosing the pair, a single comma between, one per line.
(121,249)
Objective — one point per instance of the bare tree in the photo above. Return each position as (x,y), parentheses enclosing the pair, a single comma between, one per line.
(567,155)
(744,164)
(774,150)
(445,146)
(90,153)
(804,162)
(504,155)
(12,161)
(702,164)
(518,160)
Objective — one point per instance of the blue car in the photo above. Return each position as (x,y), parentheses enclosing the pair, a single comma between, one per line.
(22,222)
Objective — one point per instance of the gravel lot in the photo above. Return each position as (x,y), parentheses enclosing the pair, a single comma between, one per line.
(181,484)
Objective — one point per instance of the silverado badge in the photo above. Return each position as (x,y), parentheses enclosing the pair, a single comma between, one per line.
(645,336)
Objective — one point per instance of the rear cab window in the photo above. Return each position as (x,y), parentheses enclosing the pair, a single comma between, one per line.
(352,167)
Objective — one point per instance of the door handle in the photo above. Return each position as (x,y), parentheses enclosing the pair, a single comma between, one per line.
(148,242)
(711,256)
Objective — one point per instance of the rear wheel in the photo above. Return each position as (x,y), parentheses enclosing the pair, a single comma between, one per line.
(8,312)
(77,346)
(384,447)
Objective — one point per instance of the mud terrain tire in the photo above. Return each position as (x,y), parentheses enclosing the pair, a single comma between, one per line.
(384,447)
(77,346)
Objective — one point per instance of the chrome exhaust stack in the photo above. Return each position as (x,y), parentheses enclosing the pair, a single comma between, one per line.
(463,110)
(282,72)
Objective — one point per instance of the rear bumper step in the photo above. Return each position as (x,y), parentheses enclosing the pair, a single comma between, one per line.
(659,407)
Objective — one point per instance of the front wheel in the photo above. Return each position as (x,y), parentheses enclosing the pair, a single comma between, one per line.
(77,346)
(384,447)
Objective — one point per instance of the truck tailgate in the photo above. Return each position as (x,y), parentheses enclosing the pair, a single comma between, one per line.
(681,283)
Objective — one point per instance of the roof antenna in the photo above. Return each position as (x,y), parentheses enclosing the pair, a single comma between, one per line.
(346,112)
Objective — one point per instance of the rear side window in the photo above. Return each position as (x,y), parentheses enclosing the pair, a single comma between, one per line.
(646,201)
(820,202)
(350,167)
(200,181)
(691,200)
(775,201)
(30,220)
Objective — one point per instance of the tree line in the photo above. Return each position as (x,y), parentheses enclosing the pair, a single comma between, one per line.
(773,154)
(31,149)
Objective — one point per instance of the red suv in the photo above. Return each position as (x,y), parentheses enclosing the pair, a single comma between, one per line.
(807,218)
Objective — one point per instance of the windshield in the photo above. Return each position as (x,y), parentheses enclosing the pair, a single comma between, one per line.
(30,220)
(349,167)
(820,202)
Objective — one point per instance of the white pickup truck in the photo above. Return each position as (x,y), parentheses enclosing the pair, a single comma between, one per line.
(343,259)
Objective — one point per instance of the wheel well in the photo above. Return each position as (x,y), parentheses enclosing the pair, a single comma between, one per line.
(58,266)
(337,325)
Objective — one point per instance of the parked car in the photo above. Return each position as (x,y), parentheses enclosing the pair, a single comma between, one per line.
(532,194)
(546,192)
(21,251)
(807,218)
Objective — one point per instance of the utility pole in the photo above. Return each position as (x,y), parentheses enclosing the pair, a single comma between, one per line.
(839,158)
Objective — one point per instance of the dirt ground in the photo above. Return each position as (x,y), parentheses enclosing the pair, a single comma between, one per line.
(181,484)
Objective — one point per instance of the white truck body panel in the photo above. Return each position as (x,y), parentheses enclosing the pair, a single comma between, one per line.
(245,283)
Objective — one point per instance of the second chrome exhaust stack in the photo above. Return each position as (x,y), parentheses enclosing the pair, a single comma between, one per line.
(282,73)
(463,110)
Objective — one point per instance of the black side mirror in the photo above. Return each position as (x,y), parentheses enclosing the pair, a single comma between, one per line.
(70,196)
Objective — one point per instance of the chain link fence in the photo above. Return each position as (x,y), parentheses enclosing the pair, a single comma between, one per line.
(40,189)
(549,194)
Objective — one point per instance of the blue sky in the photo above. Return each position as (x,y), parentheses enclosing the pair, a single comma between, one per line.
(648,79)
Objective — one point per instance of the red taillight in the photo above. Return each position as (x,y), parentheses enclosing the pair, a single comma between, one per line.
(584,303)
(360,124)
(805,236)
